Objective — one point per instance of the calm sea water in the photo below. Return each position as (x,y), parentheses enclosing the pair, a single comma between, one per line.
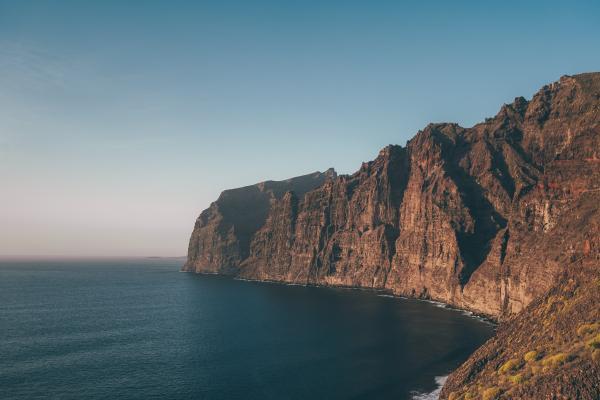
(139,329)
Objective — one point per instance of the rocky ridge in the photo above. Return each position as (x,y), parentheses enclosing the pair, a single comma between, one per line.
(488,218)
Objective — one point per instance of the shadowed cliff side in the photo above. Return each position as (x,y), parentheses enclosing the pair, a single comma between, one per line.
(223,232)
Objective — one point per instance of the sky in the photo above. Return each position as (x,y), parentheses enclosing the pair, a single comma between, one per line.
(120,121)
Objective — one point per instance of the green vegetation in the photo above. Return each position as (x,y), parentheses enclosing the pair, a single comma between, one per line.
(517,379)
(510,365)
(470,396)
(453,396)
(491,393)
(586,329)
(531,356)
(594,342)
(556,359)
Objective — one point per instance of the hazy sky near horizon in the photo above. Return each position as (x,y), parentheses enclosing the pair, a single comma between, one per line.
(120,121)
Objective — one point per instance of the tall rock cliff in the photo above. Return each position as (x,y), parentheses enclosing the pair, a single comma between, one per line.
(473,217)
(224,232)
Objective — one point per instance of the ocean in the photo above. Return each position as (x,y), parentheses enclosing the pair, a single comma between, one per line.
(139,329)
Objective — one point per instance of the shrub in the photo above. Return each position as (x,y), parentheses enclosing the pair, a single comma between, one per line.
(510,365)
(596,355)
(491,393)
(594,342)
(453,396)
(516,379)
(556,359)
(586,329)
(531,356)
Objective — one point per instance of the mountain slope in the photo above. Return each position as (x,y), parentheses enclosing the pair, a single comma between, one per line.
(551,350)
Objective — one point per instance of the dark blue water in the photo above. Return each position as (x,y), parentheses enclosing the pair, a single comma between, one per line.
(138,329)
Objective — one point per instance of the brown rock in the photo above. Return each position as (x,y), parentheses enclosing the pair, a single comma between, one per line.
(488,218)
(459,215)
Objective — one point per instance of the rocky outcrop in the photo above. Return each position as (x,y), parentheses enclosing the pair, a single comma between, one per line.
(551,350)
(467,216)
(224,232)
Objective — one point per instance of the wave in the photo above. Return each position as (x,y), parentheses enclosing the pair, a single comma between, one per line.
(438,304)
(393,296)
(237,278)
(435,395)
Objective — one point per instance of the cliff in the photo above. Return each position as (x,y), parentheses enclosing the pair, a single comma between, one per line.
(490,218)
(223,234)
(467,216)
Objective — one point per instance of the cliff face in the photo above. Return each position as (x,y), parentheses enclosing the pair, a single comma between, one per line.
(467,216)
(551,350)
(224,232)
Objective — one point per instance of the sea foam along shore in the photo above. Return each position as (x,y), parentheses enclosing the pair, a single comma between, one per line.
(434,395)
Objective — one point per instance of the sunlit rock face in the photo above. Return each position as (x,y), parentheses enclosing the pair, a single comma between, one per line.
(474,217)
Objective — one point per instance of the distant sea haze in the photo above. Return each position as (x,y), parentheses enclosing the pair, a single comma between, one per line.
(138,329)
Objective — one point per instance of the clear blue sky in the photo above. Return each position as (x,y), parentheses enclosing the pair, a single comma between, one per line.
(120,121)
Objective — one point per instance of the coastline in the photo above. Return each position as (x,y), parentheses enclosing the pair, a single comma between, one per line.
(415,394)
(434,394)
(379,292)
